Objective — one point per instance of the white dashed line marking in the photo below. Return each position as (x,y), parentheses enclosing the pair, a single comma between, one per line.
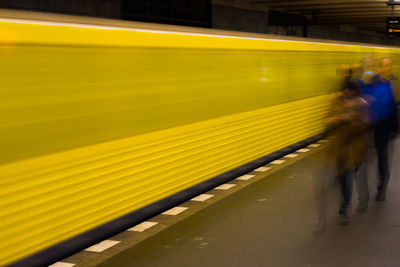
(245,177)
(62,264)
(103,245)
(314,145)
(202,197)
(225,186)
(262,169)
(175,211)
(142,226)
(277,162)
(291,155)
(303,150)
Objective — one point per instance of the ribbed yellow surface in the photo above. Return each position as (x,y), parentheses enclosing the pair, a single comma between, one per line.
(98,122)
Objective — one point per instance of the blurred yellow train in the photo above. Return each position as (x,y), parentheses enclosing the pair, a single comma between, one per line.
(100,118)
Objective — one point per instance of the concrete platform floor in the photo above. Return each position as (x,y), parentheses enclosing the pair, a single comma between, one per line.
(271,223)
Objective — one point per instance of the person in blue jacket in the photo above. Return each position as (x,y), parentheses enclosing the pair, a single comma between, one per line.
(377,90)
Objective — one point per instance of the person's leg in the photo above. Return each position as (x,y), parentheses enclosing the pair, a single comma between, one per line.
(322,176)
(362,175)
(362,187)
(381,145)
(346,190)
(320,201)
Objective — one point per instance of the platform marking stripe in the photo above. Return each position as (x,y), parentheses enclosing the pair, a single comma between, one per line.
(225,186)
(142,226)
(262,169)
(175,211)
(291,155)
(62,264)
(314,145)
(303,150)
(245,177)
(202,197)
(103,245)
(277,162)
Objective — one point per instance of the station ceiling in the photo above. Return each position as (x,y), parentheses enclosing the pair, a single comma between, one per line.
(367,14)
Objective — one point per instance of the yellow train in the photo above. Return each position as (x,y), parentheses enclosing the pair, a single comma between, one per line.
(100,118)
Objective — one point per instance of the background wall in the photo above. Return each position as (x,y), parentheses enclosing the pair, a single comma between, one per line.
(96,8)
(236,15)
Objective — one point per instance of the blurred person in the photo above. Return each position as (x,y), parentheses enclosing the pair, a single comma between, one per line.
(386,72)
(342,72)
(346,125)
(377,90)
(368,66)
(322,187)
(386,68)
(366,73)
(355,70)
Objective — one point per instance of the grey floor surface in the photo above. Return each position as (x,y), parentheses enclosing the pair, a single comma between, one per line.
(271,223)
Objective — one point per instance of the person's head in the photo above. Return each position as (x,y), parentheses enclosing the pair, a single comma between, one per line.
(368,69)
(368,64)
(385,67)
(343,72)
(355,70)
(350,88)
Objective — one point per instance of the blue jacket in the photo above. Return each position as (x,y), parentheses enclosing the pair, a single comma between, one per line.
(379,95)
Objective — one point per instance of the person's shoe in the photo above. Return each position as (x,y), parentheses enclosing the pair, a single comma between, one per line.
(343,219)
(362,207)
(381,196)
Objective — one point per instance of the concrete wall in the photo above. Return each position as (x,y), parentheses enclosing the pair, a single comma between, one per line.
(337,32)
(248,20)
(234,15)
(195,13)
(95,8)
(239,19)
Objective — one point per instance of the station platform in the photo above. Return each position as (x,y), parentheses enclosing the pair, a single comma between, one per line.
(271,222)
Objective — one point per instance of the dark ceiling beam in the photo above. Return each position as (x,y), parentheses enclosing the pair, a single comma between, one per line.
(339,8)
(347,20)
(334,6)
(360,8)
(371,26)
(376,14)
(284,4)
(354,11)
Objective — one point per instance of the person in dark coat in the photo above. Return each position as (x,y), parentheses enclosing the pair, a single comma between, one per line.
(347,124)
(377,90)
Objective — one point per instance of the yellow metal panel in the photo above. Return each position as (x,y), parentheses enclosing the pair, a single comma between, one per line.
(97,122)
(64,198)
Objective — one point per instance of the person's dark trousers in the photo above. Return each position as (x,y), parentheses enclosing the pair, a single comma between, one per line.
(381,140)
(346,185)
